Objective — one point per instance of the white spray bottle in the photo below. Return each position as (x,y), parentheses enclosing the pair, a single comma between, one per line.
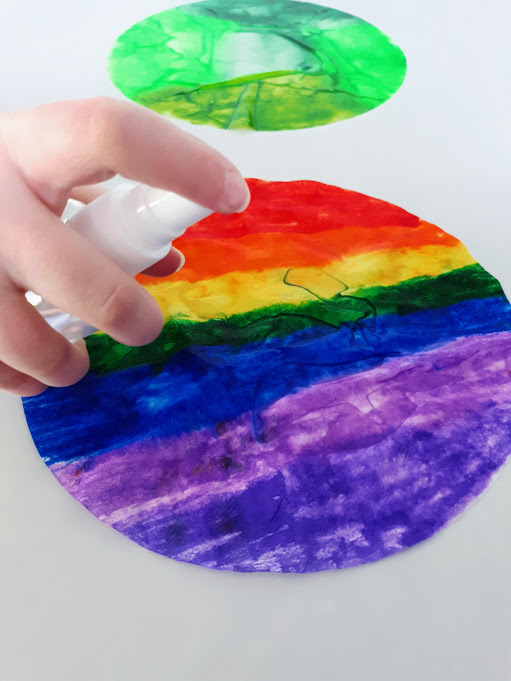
(134,226)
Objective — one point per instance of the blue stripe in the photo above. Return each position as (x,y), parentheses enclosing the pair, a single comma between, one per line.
(201,387)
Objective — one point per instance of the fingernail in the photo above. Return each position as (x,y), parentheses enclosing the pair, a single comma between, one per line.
(236,195)
(81,345)
(182,260)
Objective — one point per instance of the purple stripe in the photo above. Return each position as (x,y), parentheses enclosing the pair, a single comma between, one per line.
(351,421)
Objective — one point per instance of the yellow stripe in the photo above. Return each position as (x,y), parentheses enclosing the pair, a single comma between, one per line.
(238,292)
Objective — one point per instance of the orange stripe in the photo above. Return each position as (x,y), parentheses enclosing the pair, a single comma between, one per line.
(209,258)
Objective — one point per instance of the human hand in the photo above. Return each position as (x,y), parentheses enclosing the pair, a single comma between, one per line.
(49,154)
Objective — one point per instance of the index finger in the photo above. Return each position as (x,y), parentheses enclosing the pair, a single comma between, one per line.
(60,145)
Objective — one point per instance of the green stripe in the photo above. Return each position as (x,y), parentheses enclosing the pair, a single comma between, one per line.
(413,295)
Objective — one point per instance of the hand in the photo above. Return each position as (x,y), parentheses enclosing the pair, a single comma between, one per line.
(47,155)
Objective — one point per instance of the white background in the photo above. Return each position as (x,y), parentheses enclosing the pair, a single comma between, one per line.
(79,602)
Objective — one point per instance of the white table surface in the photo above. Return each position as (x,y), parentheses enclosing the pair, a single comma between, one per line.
(79,602)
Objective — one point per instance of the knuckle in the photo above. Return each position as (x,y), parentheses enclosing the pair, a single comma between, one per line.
(63,367)
(115,306)
(98,119)
(21,385)
(11,380)
(57,362)
(29,388)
